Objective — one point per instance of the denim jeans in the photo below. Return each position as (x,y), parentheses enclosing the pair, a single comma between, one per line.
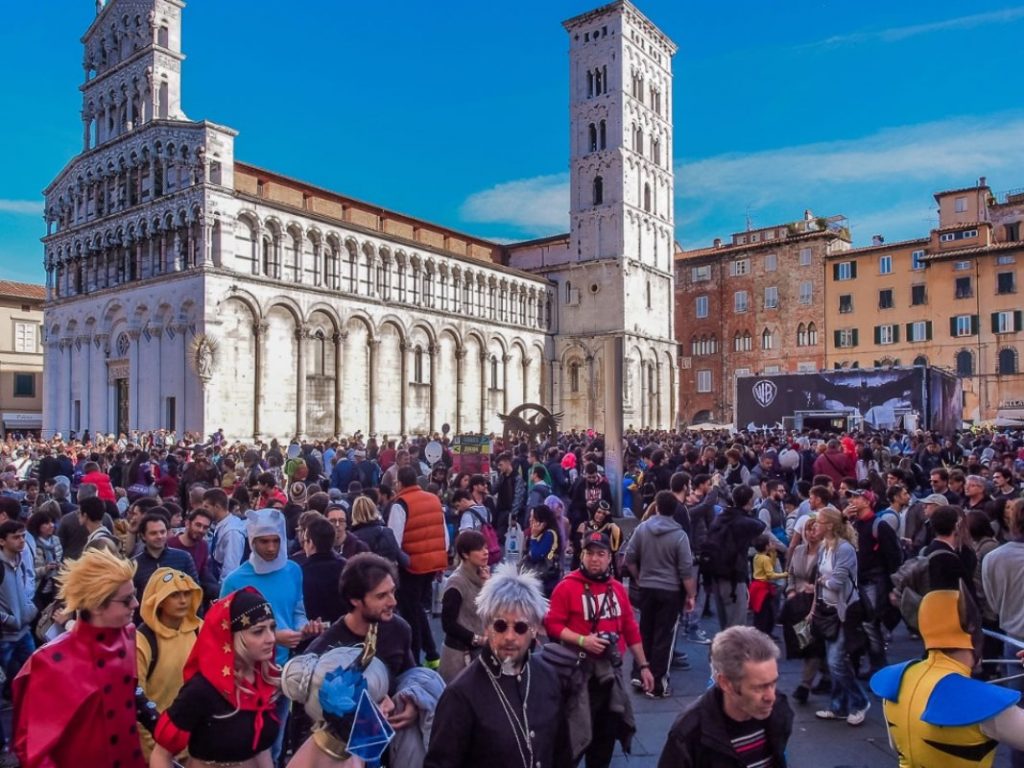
(847,694)
(14,653)
(282,708)
(872,592)
(730,603)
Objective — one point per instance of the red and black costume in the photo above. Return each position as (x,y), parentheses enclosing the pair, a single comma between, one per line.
(75,700)
(215,717)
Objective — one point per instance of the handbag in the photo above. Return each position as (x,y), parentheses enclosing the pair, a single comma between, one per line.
(824,618)
(804,633)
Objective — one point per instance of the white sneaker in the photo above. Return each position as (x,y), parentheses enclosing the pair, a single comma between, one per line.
(856,718)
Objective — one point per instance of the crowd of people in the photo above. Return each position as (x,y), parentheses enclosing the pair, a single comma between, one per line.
(225,603)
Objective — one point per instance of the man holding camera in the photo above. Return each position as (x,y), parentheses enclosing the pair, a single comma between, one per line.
(590,613)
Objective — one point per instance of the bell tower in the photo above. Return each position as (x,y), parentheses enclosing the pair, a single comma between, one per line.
(132,61)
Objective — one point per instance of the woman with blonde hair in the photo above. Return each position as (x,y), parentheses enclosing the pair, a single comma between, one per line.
(224,713)
(369,528)
(86,675)
(835,614)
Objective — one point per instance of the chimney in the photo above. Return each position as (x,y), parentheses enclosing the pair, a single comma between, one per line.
(718,242)
(983,182)
(877,239)
(808,216)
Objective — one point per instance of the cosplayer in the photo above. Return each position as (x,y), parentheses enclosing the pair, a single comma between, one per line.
(84,677)
(224,713)
(165,638)
(938,715)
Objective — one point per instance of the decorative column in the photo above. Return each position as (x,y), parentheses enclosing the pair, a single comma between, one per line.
(259,332)
(339,369)
(460,365)
(504,382)
(101,342)
(483,389)
(432,350)
(373,345)
(526,385)
(591,392)
(135,392)
(657,394)
(206,246)
(301,333)
(403,348)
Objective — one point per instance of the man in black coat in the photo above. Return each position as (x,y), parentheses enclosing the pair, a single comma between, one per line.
(321,572)
(741,720)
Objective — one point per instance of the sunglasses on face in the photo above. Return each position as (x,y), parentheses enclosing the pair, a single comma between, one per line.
(501,627)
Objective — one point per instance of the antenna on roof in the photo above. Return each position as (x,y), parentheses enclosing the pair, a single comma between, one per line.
(750,222)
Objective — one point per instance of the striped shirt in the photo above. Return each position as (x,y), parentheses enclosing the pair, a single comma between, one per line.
(750,742)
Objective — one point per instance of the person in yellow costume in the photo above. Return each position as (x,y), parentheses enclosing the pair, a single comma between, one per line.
(164,639)
(936,714)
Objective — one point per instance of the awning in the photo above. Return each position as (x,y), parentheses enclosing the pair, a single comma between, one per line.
(1009,417)
(22,420)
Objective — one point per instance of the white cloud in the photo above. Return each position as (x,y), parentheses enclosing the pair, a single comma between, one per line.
(28,207)
(896,34)
(538,205)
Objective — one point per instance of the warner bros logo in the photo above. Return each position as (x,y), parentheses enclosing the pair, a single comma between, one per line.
(765,392)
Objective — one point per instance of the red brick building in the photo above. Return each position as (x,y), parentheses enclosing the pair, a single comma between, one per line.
(754,305)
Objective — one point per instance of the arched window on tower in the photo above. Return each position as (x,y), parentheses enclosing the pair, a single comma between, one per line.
(598,82)
(638,140)
(647,197)
(649,302)
(590,84)
(656,151)
(812,335)
(603,131)
(801,335)
(417,364)
(766,339)
(494,372)
(598,190)
(320,359)
(574,377)
(964,363)
(592,134)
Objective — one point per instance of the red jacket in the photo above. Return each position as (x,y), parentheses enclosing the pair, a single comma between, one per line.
(104,489)
(836,465)
(572,607)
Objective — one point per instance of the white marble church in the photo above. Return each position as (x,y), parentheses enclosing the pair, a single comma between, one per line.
(188,290)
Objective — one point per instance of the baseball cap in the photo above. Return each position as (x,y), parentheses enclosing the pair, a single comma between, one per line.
(335,494)
(935,498)
(597,539)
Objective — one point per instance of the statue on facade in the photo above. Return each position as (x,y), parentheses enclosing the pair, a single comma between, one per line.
(204,353)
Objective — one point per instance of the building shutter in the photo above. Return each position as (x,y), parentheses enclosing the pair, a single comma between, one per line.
(1018,320)
(952,327)
(853,270)
(856,337)
(910,332)
(928,329)
(878,334)
(975,325)
(836,338)
(835,271)
(995,322)
(895,334)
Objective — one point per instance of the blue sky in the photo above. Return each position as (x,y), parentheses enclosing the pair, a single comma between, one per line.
(456,112)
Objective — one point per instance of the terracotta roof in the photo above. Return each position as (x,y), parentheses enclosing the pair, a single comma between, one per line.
(23,290)
(728,248)
(975,188)
(975,251)
(881,247)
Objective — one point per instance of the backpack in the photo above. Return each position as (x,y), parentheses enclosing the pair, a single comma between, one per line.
(911,583)
(491,537)
(154,647)
(718,552)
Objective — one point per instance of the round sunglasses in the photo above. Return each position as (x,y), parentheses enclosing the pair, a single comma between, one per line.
(501,627)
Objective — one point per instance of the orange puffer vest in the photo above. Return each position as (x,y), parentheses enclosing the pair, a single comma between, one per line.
(423,539)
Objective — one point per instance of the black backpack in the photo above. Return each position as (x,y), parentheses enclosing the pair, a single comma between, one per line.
(718,553)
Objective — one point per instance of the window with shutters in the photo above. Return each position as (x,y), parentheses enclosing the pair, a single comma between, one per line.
(965,363)
(846,338)
(845,303)
(805,257)
(25,337)
(963,325)
(1008,321)
(885,265)
(702,306)
(700,274)
(885,298)
(806,292)
(917,260)
(963,288)
(919,331)
(1007,360)
(918,296)
(771,297)
(844,270)
(962,266)
(741,301)
(767,339)
(739,267)
(1006,282)
(771,262)
(886,334)
(704,380)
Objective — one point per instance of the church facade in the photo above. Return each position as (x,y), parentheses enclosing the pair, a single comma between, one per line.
(190,291)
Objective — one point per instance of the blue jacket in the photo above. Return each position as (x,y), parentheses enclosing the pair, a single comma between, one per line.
(283,590)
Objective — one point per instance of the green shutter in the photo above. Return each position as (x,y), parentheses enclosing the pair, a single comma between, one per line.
(835,271)
(878,334)
(952,327)
(853,270)
(995,322)
(928,329)
(1018,320)
(975,325)
(896,334)
(910,331)
(856,337)
(836,336)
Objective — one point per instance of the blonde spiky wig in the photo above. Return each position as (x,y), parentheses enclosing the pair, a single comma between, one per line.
(509,589)
(89,581)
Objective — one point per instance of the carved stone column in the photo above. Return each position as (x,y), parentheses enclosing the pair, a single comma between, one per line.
(460,366)
(526,384)
(374,345)
(301,334)
(432,350)
(339,369)
(259,331)
(505,359)
(591,392)
(483,389)
(403,351)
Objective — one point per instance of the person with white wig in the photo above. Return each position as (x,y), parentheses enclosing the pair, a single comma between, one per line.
(505,709)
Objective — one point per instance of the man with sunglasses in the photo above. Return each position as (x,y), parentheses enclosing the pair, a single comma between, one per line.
(590,612)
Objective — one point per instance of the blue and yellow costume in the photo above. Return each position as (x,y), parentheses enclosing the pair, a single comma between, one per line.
(933,709)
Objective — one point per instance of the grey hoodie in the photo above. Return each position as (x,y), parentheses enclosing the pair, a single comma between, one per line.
(660,550)
(16,607)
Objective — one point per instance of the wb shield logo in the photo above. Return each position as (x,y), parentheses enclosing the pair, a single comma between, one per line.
(764,392)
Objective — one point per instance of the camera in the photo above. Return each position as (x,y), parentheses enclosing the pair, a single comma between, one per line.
(611,652)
